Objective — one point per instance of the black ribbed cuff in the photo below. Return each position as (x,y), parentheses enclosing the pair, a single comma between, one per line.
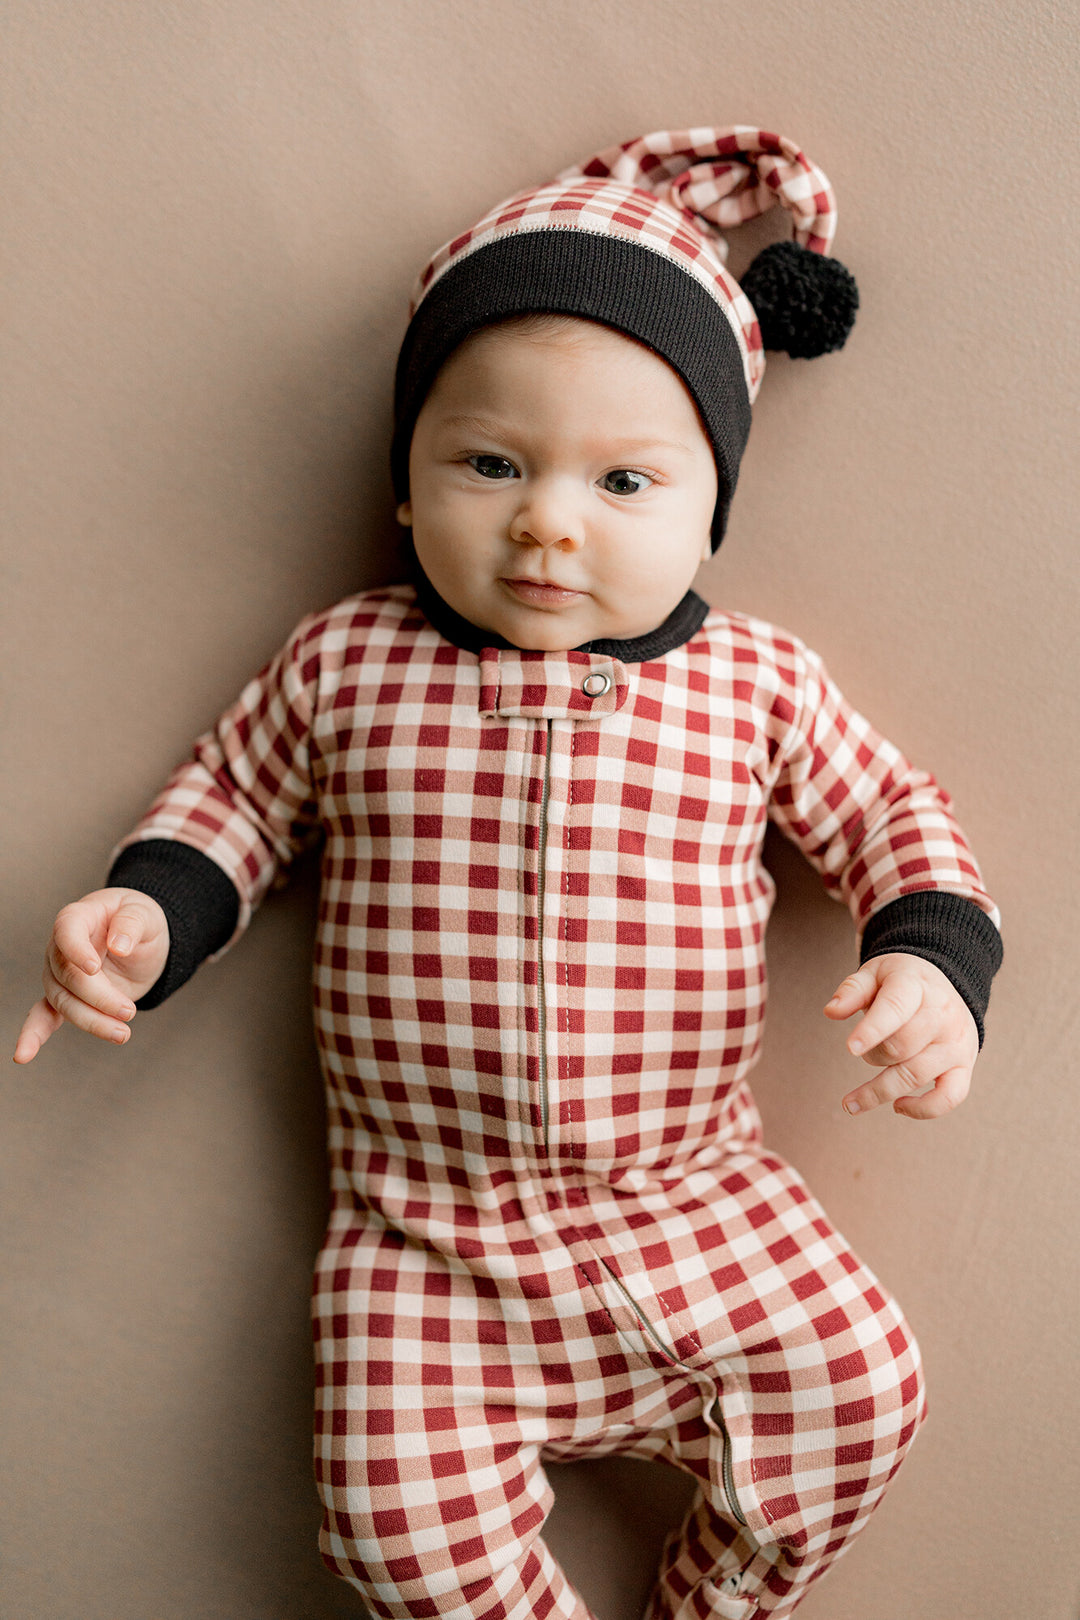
(946,929)
(198,899)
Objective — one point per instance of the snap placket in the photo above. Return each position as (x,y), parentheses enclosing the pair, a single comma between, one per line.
(551,686)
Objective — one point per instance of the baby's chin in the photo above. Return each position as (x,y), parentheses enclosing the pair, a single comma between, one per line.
(559,639)
(553,628)
(563,632)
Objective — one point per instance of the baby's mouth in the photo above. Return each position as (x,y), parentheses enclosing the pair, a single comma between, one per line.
(539,594)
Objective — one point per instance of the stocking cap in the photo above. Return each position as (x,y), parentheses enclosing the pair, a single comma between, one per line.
(633,238)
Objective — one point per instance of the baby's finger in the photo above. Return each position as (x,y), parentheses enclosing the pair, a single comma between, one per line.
(857,990)
(71,936)
(920,1031)
(74,1010)
(95,989)
(40,1022)
(898,999)
(901,1080)
(949,1091)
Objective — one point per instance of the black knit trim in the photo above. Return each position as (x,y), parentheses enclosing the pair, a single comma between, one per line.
(684,621)
(198,899)
(573,271)
(946,929)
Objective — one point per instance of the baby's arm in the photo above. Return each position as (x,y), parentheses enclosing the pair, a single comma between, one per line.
(106,950)
(918,1025)
(883,835)
(185,881)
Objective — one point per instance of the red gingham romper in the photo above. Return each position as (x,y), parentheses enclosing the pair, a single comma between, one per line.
(539,985)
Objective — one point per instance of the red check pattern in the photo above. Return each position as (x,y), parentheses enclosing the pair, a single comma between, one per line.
(674,192)
(539,987)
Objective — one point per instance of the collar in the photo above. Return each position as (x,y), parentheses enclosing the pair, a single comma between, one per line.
(684,621)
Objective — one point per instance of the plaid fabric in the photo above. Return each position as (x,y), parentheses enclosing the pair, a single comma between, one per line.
(674,192)
(539,986)
(451,1369)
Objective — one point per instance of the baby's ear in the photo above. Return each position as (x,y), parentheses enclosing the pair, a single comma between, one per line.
(404,514)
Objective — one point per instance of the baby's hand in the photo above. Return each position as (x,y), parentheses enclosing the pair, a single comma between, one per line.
(918,1025)
(106,951)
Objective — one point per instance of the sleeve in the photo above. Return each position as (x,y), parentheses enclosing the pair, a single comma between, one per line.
(230,818)
(884,838)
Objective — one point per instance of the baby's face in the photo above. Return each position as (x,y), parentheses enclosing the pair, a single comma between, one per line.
(561,485)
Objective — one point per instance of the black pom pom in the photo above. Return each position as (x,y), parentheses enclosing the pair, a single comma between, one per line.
(805,303)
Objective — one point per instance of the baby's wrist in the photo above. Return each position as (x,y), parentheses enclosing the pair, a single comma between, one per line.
(197,898)
(946,929)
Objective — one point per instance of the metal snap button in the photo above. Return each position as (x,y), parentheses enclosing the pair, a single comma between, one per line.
(596,685)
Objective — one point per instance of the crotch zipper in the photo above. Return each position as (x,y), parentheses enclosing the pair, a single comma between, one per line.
(541,886)
(725,1463)
(716,1411)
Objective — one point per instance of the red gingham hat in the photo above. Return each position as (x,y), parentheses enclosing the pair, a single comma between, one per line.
(632,238)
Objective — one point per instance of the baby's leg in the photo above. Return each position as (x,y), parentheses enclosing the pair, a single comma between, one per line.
(437,1392)
(819,1394)
(446,1523)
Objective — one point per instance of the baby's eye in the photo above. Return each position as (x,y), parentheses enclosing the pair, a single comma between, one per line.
(493,466)
(625,482)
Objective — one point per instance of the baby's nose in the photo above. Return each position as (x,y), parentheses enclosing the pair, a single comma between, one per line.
(548,516)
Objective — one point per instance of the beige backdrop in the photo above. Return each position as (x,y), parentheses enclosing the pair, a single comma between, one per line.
(215,210)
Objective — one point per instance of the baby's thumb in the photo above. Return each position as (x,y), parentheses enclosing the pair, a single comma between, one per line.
(130,926)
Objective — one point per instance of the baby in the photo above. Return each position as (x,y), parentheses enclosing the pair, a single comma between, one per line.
(543,773)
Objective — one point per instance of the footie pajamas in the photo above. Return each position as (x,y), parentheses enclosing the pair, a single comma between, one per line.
(539,987)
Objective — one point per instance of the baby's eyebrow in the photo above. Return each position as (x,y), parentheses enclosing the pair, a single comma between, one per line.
(475,424)
(633,447)
(490,427)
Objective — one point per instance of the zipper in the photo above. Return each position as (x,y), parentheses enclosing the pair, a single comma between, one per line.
(725,1463)
(646,1326)
(541,884)
(716,1413)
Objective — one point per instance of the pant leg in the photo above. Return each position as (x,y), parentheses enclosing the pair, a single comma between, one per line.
(818,1399)
(791,1395)
(437,1392)
(446,1523)
(704,1569)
